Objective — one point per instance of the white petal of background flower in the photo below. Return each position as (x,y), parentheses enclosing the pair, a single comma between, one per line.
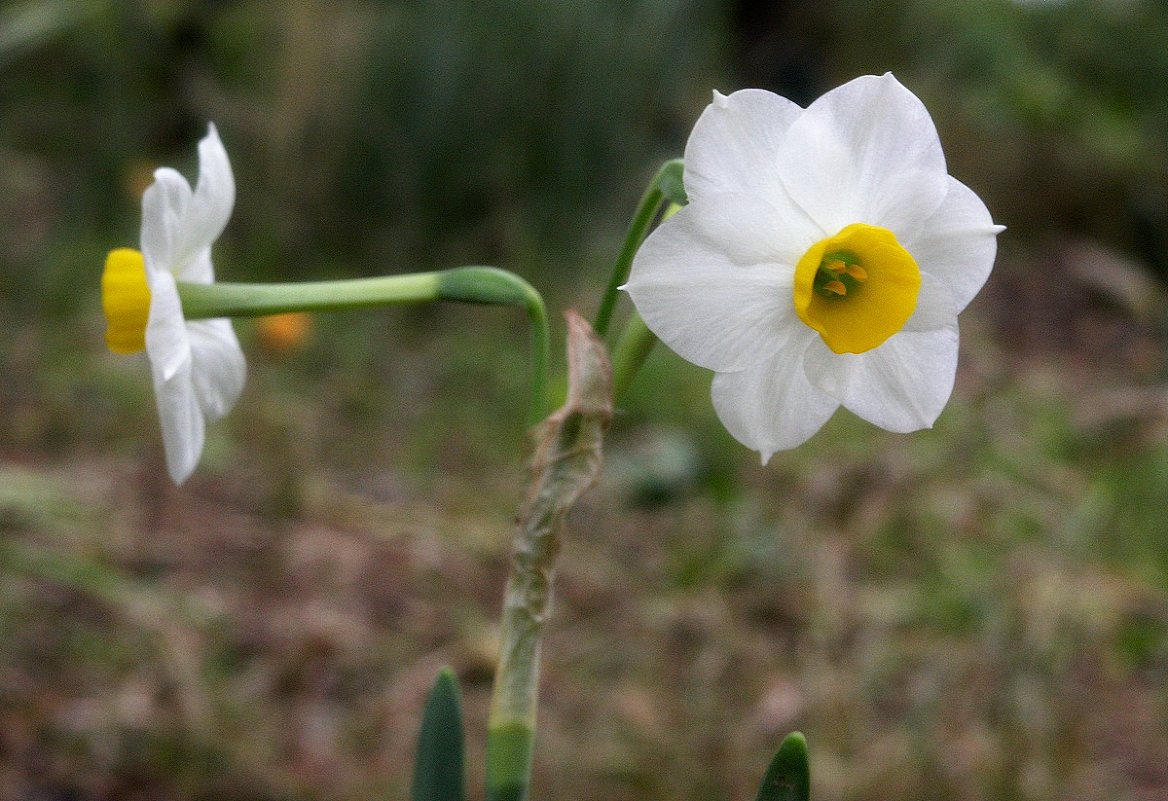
(218,366)
(183,426)
(710,310)
(178,225)
(865,152)
(734,143)
(771,406)
(199,368)
(213,200)
(167,342)
(197,270)
(163,209)
(901,386)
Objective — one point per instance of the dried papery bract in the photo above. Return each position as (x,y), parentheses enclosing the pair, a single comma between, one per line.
(566,462)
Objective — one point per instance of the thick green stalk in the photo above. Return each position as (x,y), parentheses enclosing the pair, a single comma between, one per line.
(488,285)
(566,463)
(666,185)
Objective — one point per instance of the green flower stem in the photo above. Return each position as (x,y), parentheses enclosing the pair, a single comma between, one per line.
(202,301)
(636,340)
(487,285)
(630,352)
(498,287)
(666,185)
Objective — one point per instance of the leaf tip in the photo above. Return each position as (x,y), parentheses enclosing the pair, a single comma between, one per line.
(788,778)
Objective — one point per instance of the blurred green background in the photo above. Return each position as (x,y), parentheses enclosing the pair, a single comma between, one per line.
(976,611)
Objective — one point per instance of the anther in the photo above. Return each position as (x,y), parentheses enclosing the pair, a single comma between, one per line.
(856,271)
(836,287)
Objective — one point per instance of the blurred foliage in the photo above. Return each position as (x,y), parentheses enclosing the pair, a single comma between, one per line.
(973,612)
(1067,101)
(367,135)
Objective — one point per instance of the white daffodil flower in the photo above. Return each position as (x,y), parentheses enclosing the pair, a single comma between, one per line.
(822,260)
(198,366)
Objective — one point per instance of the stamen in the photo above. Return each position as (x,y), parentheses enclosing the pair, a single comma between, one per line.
(857,272)
(836,286)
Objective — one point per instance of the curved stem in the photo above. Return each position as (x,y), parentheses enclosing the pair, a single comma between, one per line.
(666,185)
(494,286)
(486,285)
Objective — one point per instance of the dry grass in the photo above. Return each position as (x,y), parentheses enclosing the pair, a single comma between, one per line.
(975,612)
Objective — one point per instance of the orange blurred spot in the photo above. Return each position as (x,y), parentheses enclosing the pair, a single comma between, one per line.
(284,332)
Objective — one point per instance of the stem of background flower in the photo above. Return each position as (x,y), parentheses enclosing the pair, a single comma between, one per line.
(487,285)
(666,185)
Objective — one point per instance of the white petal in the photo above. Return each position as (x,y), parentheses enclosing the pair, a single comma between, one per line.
(198,269)
(734,144)
(751,229)
(218,367)
(710,310)
(935,306)
(865,152)
(957,243)
(210,208)
(183,428)
(901,386)
(179,225)
(772,406)
(198,368)
(164,207)
(167,342)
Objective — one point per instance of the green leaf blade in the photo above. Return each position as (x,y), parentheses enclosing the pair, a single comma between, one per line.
(788,778)
(439,772)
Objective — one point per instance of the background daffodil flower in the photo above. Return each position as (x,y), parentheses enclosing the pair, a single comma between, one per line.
(198,366)
(822,260)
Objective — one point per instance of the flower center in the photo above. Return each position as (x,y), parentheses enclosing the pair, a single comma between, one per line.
(125,297)
(856,288)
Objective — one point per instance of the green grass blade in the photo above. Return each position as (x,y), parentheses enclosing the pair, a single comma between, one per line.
(28,25)
(439,773)
(789,777)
